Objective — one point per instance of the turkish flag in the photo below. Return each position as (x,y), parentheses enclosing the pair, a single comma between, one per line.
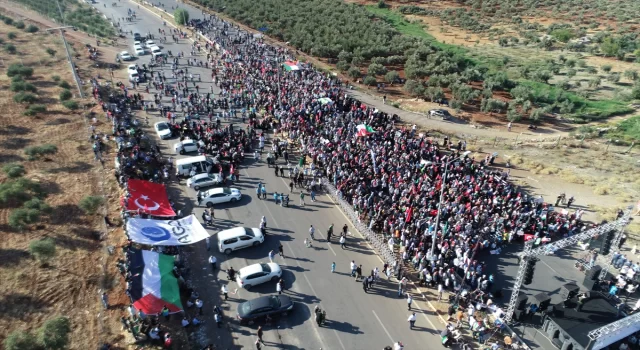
(148,197)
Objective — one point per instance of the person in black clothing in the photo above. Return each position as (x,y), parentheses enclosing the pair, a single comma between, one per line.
(365,285)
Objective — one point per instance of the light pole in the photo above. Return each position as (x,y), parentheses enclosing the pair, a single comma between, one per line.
(444,179)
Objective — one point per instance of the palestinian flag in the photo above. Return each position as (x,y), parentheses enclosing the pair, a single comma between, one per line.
(364,130)
(153,284)
(290,65)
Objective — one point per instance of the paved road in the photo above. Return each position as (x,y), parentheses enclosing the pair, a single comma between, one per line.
(356,320)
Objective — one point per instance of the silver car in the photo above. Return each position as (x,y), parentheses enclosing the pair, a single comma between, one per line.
(204,180)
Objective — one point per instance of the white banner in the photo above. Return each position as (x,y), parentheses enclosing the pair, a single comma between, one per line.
(166,232)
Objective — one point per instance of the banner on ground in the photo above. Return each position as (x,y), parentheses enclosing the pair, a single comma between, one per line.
(153,284)
(149,197)
(166,232)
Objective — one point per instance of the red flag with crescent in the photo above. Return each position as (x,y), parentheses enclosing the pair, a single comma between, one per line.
(149,197)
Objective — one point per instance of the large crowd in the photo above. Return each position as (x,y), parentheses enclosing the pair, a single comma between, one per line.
(393,176)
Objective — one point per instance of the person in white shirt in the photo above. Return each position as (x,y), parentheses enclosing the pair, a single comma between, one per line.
(213,261)
(185,322)
(225,292)
(199,305)
(412,320)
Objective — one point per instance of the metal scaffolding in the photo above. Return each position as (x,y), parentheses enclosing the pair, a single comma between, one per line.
(550,248)
(614,327)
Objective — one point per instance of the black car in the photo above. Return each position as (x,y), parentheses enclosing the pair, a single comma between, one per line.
(270,305)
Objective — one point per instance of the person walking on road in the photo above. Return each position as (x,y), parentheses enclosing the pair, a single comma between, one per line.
(225,292)
(105,300)
(291,187)
(260,334)
(307,243)
(364,285)
(329,233)
(345,228)
(358,272)
(264,221)
(302,198)
(281,250)
(271,255)
(258,344)
(409,301)
(343,242)
(279,288)
(312,230)
(213,261)
(353,267)
(412,320)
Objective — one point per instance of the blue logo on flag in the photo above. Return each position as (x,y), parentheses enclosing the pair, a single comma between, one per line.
(155,233)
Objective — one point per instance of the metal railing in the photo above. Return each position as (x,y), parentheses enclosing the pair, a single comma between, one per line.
(376,239)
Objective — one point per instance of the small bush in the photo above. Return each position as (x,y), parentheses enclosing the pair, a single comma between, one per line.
(65,95)
(91,204)
(56,78)
(12,35)
(71,105)
(32,29)
(16,69)
(24,97)
(13,170)
(51,52)
(36,151)
(21,340)
(8,20)
(369,80)
(15,192)
(10,48)
(43,250)
(19,219)
(35,109)
(17,86)
(54,333)
(65,85)
(19,25)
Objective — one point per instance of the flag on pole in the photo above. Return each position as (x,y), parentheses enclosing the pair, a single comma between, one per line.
(291,65)
(364,130)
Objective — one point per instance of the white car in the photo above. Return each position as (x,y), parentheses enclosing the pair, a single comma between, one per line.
(255,274)
(220,195)
(187,146)
(155,51)
(150,43)
(132,68)
(239,238)
(125,56)
(204,180)
(138,50)
(163,129)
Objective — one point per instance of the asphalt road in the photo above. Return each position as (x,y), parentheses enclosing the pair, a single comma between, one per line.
(355,319)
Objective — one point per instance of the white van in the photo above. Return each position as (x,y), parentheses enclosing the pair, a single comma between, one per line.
(238,238)
(200,163)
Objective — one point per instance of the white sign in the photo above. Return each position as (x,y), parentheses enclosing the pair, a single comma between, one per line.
(166,232)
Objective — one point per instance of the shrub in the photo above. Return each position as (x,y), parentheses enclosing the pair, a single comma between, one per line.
(13,170)
(43,250)
(63,84)
(21,85)
(71,105)
(55,78)
(54,333)
(21,340)
(38,204)
(51,52)
(91,204)
(35,109)
(354,72)
(15,192)
(10,48)
(65,95)
(19,219)
(24,97)
(12,35)
(376,69)
(370,80)
(391,77)
(181,16)
(606,68)
(19,25)
(36,151)
(16,69)
(382,5)
(8,20)
(32,29)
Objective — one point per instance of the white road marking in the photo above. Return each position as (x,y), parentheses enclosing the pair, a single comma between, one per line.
(551,268)
(383,327)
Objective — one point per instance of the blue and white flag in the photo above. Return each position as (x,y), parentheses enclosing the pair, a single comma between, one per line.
(166,232)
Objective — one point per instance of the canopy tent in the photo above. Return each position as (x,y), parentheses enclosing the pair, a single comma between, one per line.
(153,284)
(166,232)
(149,197)
(291,65)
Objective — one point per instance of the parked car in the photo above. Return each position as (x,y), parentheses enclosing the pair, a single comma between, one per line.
(125,56)
(187,146)
(204,180)
(268,305)
(139,51)
(163,129)
(238,238)
(132,68)
(137,37)
(440,113)
(255,274)
(220,195)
